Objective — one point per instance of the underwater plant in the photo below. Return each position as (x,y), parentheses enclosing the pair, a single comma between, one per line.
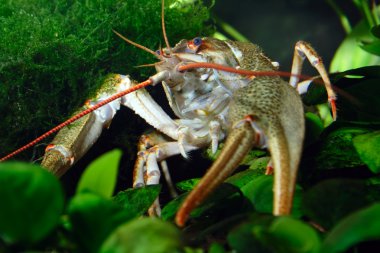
(54,54)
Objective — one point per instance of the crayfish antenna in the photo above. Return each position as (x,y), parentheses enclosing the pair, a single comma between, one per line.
(149,64)
(78,116)
(163,26)
(136,44)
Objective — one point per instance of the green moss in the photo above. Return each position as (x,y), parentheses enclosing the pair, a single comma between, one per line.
(53,52)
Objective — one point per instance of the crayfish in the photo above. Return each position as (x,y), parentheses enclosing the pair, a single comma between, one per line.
(217,90)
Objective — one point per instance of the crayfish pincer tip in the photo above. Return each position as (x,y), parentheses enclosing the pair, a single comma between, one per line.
(180,220)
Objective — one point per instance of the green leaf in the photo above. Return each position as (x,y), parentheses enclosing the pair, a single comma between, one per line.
(260,164)
(170,209)
(247,237)
(100,176)
(187,185)
(359,226)
(31,201)
(137,201)
(192,250)
(372,47)
(367,71)
(68,46)
(217,205)
(143,235)
(93,218)
(260,192)
(280,235)
(316,94)
(289,235)
(337,150)
(242,178)
(376,31)
(368,148)
(329,201)
(349,54)
(216,248)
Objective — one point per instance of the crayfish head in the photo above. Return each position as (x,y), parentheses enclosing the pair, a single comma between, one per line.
(179,55)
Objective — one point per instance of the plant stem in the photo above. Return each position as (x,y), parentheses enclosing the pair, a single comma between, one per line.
(375,12)
(343,18)
(363,7)
(229,30)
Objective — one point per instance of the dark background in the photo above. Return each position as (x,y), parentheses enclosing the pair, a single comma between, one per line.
(276,25)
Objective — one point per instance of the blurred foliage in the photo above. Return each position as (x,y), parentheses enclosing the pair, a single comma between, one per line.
(361,47)
(336,204)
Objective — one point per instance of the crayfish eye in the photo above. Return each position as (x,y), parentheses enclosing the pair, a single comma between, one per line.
(158,52)
(197,41)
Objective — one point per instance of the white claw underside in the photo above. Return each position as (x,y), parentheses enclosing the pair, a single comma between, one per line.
(302,87)
(181,143)
(143,104)
(215,131)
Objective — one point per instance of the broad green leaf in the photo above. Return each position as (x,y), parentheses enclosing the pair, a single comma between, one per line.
(31,202)
(280,235)
(349,54)
(368,148)
(331,200)
(100,176)
(137,201)
(260,164)
(144,235)
(192,250)
(248,237)
(367,71)
(253,155)
(216,248)
(357,94)
(217,205)
(359,226)
(242,178)
(93,218)
(170,209)
(316,94)
(372,47)
(260,192)
(337,150)
(289,235)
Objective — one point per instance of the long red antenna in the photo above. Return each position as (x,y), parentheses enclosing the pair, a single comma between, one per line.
(76,117)
(142,85)
(249,73)
(209,65)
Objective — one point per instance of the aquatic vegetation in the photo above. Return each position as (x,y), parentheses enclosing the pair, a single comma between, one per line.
(53,53)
